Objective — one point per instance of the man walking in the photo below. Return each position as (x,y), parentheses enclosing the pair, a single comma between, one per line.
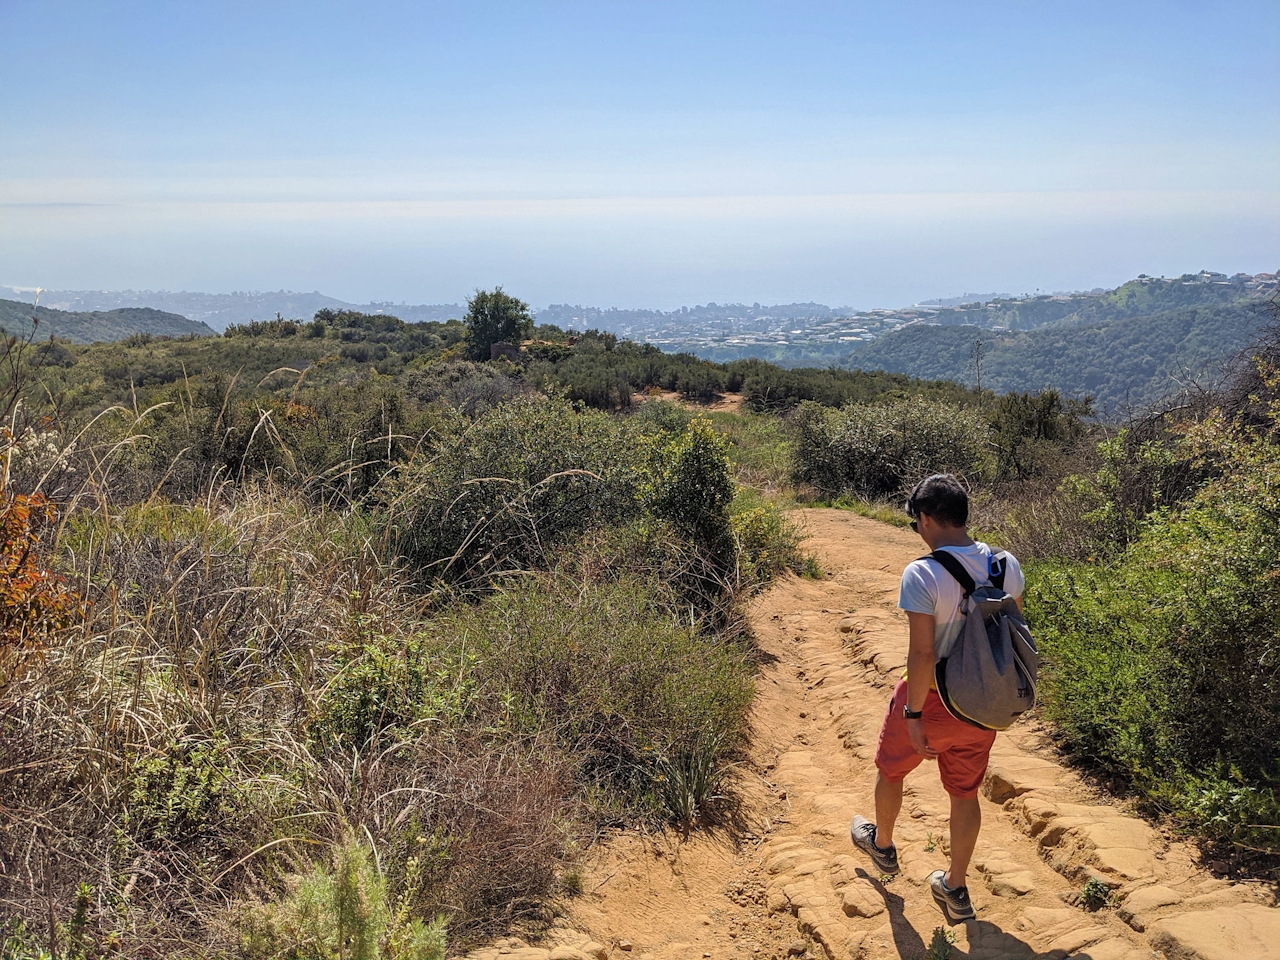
(917,725)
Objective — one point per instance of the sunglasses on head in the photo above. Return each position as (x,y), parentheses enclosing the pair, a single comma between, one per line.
(911,512)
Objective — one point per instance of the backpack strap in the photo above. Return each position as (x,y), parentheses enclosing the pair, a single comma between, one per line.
(998,565)
(954,567)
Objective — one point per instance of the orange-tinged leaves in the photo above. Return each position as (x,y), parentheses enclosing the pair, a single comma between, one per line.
(33,599)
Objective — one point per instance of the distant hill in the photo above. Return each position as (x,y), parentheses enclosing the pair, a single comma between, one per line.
(97,326)
(1132,361)
(1140,297)
(220,310)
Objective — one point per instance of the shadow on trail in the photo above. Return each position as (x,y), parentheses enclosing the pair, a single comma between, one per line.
(986,940)
(906,938)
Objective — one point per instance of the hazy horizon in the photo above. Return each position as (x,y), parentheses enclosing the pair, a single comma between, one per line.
(29,291)
(656,156)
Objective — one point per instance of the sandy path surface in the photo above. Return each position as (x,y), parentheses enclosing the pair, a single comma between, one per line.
(786,881)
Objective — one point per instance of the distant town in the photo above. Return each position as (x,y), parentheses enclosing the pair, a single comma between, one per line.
(814,332)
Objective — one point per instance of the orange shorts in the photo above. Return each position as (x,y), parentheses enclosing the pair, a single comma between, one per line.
(962,748)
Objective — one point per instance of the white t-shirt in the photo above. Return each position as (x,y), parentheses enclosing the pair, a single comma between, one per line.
(927,587)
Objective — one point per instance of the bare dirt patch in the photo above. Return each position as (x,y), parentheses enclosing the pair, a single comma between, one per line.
(724,403)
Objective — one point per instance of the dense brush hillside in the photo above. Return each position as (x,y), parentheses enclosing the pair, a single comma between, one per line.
(286,361)
(1136,360)
(97,326)
(1141,297)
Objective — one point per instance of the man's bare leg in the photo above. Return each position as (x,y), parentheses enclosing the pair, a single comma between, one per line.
(966,821)
(888,804)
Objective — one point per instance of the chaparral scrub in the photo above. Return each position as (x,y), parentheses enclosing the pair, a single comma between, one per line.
(231,709)
(1165,657)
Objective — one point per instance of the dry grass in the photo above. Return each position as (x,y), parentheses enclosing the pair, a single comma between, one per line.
(160,761)
(254,683)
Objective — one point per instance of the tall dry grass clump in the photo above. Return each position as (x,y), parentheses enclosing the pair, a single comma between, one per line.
(170,749)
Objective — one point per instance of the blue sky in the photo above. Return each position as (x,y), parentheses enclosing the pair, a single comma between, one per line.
(636,154)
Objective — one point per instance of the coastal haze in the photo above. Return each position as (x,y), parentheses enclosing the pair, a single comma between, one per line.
(651,157)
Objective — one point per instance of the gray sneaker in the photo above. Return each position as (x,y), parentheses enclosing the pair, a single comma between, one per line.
(955,904)
(863,834)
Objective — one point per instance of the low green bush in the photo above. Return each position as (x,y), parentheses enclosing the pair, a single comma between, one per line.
(766,386)
(343,911)
(876,450)
(515,487)
(504,491)
(607,672)
(687,482)
(1030,431)
(385,685)
(768,542)
(1164,662)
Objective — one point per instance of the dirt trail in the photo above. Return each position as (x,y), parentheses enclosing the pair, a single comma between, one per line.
(788,880)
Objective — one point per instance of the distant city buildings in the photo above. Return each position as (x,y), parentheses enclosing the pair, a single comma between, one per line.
(813,333)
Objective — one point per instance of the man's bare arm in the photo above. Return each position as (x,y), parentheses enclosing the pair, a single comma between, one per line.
(920,661)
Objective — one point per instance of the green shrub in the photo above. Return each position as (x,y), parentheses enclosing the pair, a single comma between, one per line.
(606,670)
(1135,477)
(689,485)
(940,944)
(765,386)
(768,543)
(341,912)
(1163,660)
(586,379)
(383,684)
(1029,432)
(462,384)
(512,489)
(1095,895)
(687,782)
(184,795)
(18,942)
(504,491)
(876,450)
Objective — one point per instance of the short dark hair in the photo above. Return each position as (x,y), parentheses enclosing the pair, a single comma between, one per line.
(942,497)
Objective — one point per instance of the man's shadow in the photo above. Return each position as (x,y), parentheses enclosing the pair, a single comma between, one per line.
(911,946)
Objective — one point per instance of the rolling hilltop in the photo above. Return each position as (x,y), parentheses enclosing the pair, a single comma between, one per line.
(1142,297)
(99,325)
(1135,361)
(220,310)
(1131,346)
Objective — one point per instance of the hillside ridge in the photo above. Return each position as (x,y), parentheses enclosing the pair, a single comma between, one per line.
(1122,363)
(98,325)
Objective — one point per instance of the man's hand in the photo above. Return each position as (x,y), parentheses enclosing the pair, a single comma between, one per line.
(915,730)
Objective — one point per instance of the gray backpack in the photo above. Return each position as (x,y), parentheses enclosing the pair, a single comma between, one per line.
(989,678)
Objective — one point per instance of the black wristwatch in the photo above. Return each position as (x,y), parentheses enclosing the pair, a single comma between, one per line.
(911,714)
